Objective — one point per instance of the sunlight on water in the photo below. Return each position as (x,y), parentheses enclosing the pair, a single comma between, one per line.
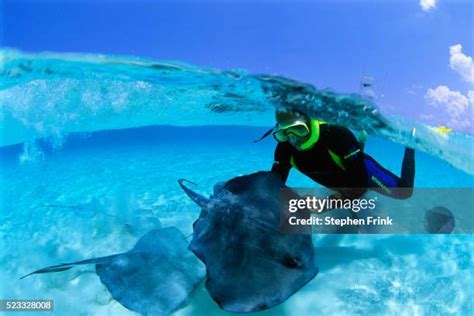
(51,95)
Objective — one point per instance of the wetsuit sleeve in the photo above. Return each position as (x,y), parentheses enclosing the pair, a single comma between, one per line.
(281,163)
(349,152)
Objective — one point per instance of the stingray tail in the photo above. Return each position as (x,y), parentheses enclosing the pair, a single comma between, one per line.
(197,198)
(56,268)
(65,266)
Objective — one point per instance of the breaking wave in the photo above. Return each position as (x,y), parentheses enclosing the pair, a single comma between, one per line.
(51,95)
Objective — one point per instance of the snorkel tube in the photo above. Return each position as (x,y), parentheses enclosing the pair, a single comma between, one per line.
(313,135)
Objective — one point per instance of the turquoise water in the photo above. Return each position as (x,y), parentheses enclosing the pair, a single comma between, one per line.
(51,95)
(80,192)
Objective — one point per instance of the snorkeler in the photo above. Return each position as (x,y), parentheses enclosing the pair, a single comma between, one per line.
(333,157)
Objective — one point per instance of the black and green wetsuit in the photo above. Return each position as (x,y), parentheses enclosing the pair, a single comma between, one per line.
(336,160)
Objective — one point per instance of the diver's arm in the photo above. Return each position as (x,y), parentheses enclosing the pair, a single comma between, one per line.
(281,163)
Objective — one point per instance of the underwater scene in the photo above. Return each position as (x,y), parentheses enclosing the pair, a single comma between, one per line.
(135,185)
(88,193)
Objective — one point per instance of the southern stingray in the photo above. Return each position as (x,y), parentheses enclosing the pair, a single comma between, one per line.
(154,278)
(250,264)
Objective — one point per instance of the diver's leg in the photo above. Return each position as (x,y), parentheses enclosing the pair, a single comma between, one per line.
(385,182)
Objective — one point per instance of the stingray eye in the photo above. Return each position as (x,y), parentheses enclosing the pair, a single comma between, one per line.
(292,262)
(298,261)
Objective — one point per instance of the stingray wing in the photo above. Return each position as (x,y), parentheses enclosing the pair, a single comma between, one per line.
(156,276)
(251,265)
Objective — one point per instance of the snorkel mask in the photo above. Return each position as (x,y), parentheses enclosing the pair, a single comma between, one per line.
(300,131)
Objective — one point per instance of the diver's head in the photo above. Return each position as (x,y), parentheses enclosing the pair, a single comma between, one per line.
(293,127)
(285,117)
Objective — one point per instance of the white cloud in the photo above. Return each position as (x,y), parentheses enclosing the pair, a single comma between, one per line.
(470,96)
(461,63)
(455,106)
(455,100)
(427,5)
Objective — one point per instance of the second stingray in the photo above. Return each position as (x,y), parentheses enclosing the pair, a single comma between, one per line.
(154,278)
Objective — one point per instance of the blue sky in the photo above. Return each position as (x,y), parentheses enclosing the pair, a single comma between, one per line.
(407,45)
